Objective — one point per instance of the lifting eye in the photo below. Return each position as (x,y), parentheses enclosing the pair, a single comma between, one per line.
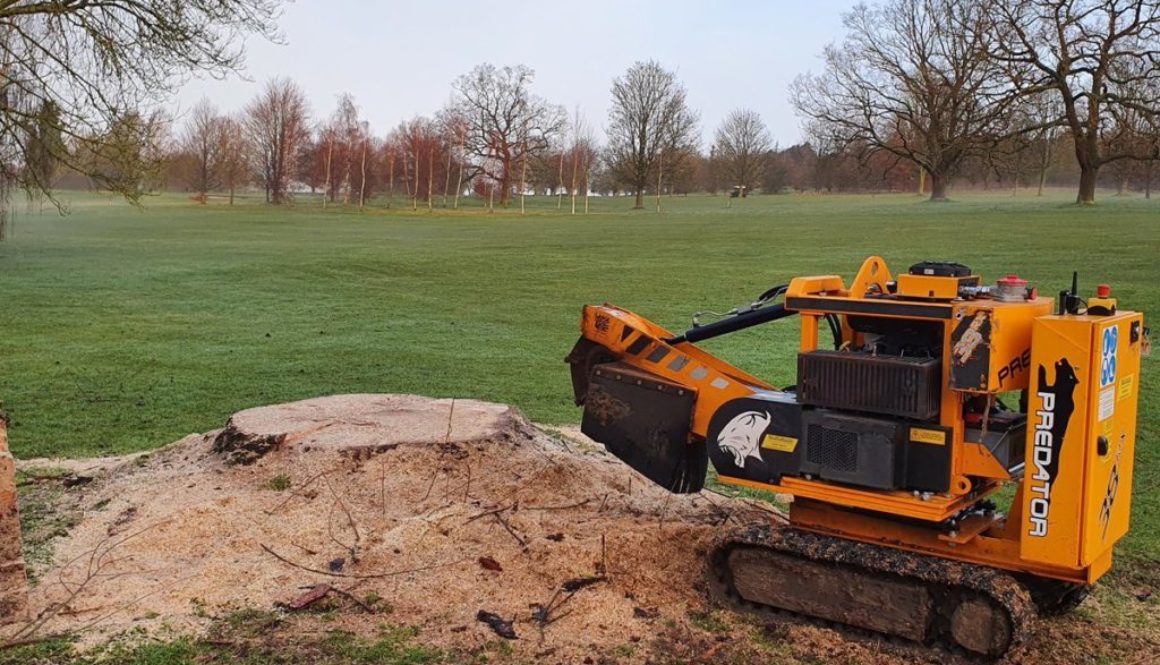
(1102,445)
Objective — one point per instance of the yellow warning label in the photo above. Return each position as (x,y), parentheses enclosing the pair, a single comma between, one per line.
(782,444)
(1127,384)
(935,436)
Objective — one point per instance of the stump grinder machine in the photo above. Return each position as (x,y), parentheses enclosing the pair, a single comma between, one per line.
(939,391)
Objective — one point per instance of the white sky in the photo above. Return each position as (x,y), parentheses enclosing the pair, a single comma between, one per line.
(398,59)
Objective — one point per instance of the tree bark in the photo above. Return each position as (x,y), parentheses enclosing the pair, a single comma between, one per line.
(505,188)
(390,178)
(329,155)
(660,174)
(938,187)
(1087,156)
(639,205)
(1087,184)
(362,188)
(447,179)
(586,185)
(1148,180)
(560,184)
(458,186)
(1044,162)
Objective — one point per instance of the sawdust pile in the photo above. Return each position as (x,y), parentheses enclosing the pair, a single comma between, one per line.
(432,509)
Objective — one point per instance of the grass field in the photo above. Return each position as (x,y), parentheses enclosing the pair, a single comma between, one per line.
(123,329)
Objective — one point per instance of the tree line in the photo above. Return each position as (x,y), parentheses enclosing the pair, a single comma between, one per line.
(926,91)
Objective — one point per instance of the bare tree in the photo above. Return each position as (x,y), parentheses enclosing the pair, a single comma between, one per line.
(1100,58)
(347,131)
(93,62)
(649,118)
(453,129)
(276,123)
(233,163)
(583,153)
(912,78)
(505,123)
(201,141)
(743,144)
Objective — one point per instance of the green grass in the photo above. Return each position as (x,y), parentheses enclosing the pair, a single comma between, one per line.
(124,329)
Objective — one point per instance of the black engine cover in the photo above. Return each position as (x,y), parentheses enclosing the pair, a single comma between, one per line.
(854,449)
(756,438)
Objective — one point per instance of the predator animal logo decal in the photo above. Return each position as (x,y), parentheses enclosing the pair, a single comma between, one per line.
(1110,493)
(970,336)
(742,436)
(1056,404)
(971,352)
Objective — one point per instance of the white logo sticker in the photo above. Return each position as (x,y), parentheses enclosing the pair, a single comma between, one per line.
(742,436)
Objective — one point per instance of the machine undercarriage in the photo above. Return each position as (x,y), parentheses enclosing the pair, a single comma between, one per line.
(937,392)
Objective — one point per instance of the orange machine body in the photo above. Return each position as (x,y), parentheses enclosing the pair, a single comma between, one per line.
(1068,450)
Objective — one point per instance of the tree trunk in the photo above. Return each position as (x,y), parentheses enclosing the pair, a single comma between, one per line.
(362,188)
(938,187)
(505,179)
(231,193)
(524,171)
(660,174)
(1087,156)
(447,179)
(505,187)
(390,178)
(1148,180)
(1087,184)
(586,185)
(458,186)
(639,205)
(1122,186)
(575,165)
(1015,176)
(560,184)
(326,189)
(431,177)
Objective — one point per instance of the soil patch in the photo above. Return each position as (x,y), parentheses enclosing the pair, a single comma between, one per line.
(457,518)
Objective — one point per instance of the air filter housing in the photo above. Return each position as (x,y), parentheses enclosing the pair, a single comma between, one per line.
(891,385)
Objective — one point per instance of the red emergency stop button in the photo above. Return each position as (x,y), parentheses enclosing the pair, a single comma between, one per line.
(1103,291)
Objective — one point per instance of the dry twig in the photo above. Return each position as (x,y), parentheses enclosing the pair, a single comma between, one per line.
(392,573)
(499,518)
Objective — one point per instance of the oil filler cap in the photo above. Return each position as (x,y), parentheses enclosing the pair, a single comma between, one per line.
(1103,291)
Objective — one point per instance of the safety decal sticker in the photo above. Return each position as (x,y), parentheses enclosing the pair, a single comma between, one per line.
(1107,403)
(1108,356)
(1126,385)
(782,444)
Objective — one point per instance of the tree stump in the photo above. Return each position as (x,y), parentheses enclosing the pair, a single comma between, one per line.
(13,582)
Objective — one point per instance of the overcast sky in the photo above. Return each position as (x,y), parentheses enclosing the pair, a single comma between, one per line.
(398,59)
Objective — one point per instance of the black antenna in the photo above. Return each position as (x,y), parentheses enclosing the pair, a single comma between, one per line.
(1069,300)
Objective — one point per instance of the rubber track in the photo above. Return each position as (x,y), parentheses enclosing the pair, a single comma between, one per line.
(939,574)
